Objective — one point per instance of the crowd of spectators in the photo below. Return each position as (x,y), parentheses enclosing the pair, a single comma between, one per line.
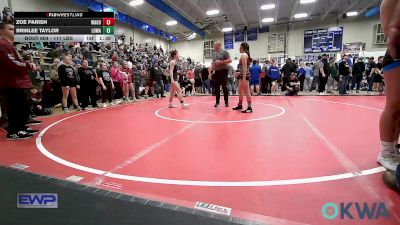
(325,76)
(89,75)
(77,74)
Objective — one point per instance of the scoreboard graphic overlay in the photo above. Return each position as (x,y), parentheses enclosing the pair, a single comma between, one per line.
(323,40)
(64,27)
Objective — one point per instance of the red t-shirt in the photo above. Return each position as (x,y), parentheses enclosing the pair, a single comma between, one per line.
(129,72)
(190,74)
(114,74)
(14,71)
(114,58)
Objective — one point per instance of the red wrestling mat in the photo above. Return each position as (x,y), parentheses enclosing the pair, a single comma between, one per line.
(279,165)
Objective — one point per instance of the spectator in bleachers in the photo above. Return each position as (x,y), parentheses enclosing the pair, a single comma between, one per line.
(88,85)
(157,72)
(370,65)
(115,75)
(308,77)
(380,62)
(286,71)
(129,89)
(114,56)
(69,80)
(292,86)
(77,60)
(265,81)
(316,71)
(206,81)
(34,75)
(56,53)
(255,71)
(324,73)
(358,71)
(333,78)
(86,54)
(186,86)
(106,83)
(301,75)
(344,75)
(197,78)
(124,82)
(378,78)
(137,79)
(190,77)
(273,74)
(231,80)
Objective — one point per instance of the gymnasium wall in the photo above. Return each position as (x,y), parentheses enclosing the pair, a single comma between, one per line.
(355,30)
(67,5)
(3,3)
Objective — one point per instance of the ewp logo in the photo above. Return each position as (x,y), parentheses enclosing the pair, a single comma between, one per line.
(331,211)
(38,200)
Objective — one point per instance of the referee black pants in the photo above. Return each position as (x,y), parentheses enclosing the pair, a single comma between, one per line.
(221,79)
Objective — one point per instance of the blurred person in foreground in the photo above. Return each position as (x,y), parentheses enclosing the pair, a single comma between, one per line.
(390,119)
(15,83)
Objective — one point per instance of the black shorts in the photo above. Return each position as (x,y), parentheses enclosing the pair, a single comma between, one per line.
(240,77)
(377,78)
(389,63)
(198,83)
(69,83)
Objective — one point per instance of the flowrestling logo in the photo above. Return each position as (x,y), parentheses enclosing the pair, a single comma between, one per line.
(355,210)
(37,200)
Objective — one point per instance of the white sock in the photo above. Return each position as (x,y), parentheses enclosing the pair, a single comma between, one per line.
(388,148)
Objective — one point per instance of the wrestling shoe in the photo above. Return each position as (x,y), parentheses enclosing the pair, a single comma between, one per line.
(239,107)
(31,131)
(248,110)
(20,135)
(390,161)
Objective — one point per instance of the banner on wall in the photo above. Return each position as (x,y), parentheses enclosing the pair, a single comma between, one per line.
(323,40)
(239,35)
(276,42)
(228,40)
(252,34)
(354,47)
(263,29)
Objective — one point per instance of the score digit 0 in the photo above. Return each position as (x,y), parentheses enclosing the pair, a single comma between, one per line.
(108,21)
(108,30)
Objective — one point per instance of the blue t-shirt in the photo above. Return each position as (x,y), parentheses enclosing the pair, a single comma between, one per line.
(273,72)
(255,71)
(301,71)
(309,71)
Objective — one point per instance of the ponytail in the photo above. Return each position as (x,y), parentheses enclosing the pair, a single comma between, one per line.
(246,48)
(250,59)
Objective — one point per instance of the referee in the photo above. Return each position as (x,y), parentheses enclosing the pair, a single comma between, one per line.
(220,66)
